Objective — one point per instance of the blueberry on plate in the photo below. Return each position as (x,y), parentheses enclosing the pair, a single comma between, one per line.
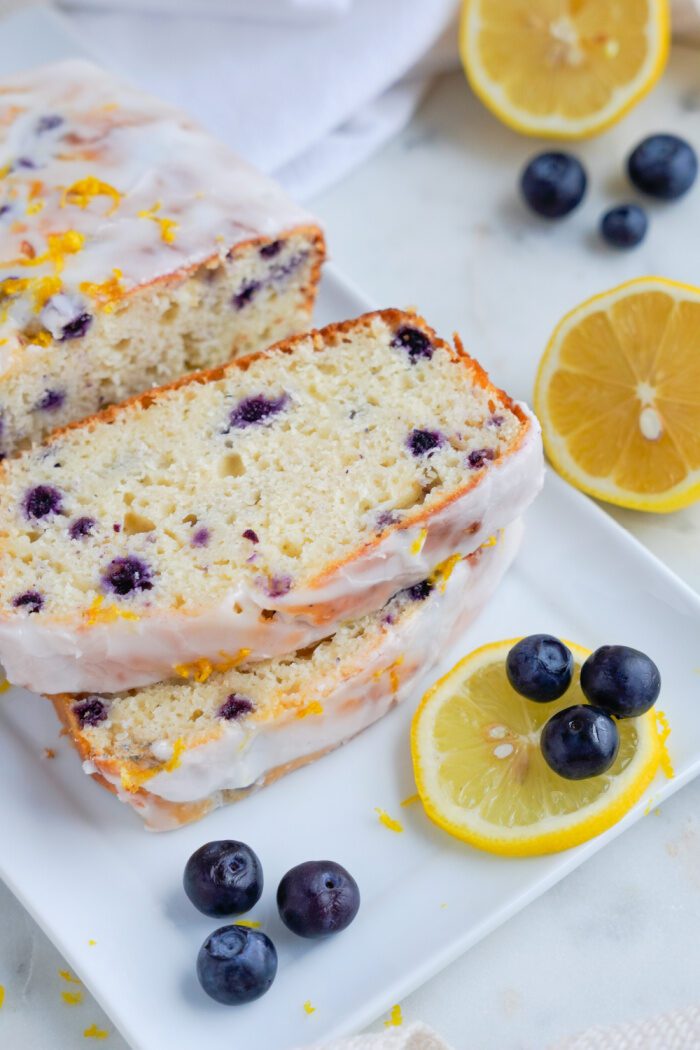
(540,667)
(621,680)
(664,166)
(223,878)
(236,965)
(580,742)
(553,184)
(317,898)
(624,226)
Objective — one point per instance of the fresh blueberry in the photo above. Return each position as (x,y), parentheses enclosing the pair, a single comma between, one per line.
(235,707)
(245,294)
(32,601)
(90,712)
(317,898)
(580,742)
(664,166)
(540,667)
(125,575)
(76,328)
(624,226)
(254,410)
(478,457)
(414,341)
(50,401)
(236,965)
(81,527)
(621,680)
(42,501)
(223,878)
(419,591)
(553,184)
(268,251)
(424,442)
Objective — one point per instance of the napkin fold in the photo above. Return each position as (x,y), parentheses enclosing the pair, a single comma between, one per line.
(412,1037)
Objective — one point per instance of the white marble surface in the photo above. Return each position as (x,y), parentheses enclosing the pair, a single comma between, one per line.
(434,220)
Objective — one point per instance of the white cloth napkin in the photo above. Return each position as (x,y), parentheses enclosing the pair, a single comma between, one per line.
(412,1037)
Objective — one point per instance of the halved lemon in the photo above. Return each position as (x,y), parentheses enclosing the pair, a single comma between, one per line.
(563,68)
(618,395)
(480,771)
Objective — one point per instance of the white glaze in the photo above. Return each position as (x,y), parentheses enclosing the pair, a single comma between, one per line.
(245,753)
(55,658)
(150,154)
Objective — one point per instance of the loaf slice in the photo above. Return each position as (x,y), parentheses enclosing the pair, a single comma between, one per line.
(246,512)
(133,249)
(177,750)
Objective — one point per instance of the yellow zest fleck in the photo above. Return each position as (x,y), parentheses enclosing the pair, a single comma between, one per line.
(391,670)
(410,800)
(664,731)
(5,170)
(2,995)
(395,1017)
(106,293)
(443,905)
(35,207)
(251,924)
(167,226)
(109,107)
(91,943)
(2,342)
(202,669)
(314,708)
(133,781)
(43,288)
(49,752)
(387,821)
(14,285)
(97,613)
(93,1032)
(72,998)
(68,976)
(440,575)
(4,685)
(83,192)
(490,542)
(308,1008)
(42,338)
(418,543)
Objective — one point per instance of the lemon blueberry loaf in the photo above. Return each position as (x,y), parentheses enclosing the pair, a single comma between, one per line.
(247,512)
(133,248)
(176,750)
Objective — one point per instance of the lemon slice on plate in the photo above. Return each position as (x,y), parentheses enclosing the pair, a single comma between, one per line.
(481,775)
(563,68)
(618,395)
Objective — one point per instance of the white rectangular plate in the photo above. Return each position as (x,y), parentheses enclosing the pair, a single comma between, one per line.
(86,870)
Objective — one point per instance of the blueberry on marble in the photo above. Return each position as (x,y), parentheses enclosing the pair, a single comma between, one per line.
(540,667)
(201,537)
(49,122)
(624,226)
(32,601)
(479,457)
(76,328)
(414,341)
(269,251)
(424,442)
(580,742)
(90,711)
(81,527)
(43,500)
(553,184)
(663,166)
(245,294)
(318,898)
(125,575)
(235,707)
(224,877)
(251,535)
(236,965)
(255,410)
(50,401)
(623,681)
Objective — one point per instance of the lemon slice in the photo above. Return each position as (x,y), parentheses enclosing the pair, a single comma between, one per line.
(618,395)
(481,775)
(563,68)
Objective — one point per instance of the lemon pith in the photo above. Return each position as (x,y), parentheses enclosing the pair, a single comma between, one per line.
(618,395)
(559,69)
(481,775)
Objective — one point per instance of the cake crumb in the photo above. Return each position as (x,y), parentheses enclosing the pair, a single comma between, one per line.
(410,800)
(387,821)
(308,1008)
(49,752)
(395,1017)
(72,998)
(93,1032)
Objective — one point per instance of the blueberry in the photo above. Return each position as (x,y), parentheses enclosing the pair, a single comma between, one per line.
(663,166)
(424,442)
(48,123)
(236,965)
(76,328)
(32,601)
(235,707)
(50,401)
(125,575)
(580,742)
(42,501)
(553,184)
(254,410)
(268,251)
(90,712)
(201,537)
(81,527)
(317,898)
(540,667)
(251,535)
(621,680)
(624,226)
(419,591)
(478,457)
(277,586)
(414,341)
(245,294)
(223,878)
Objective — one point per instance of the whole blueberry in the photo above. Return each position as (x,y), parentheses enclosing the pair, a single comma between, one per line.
(621,680)
(624,226)
(553,184)
(317,898)
(580,742)
(223,878)
(664,166)
(236,965)
(540,667)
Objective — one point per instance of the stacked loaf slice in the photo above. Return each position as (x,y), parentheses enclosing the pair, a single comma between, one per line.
(134,248)
(247,512)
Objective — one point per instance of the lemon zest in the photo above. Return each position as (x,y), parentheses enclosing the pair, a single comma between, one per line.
(72,998)
(4,685)
(308,1008)
(97,613)
(70,242)
(91,943)
(14,285)
(132,781)
(410,800)
(93,1032)
(202,669)
(83,192)
(251,924)
(441,573)
(490,542)
(314,708)
(68,976)
(43,288)
(387,821)
(35,207)
(391,671)
(105,293)
(419,542)
(395,1017)
(664,731)
(2,995)
(42,338)
(167,226)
